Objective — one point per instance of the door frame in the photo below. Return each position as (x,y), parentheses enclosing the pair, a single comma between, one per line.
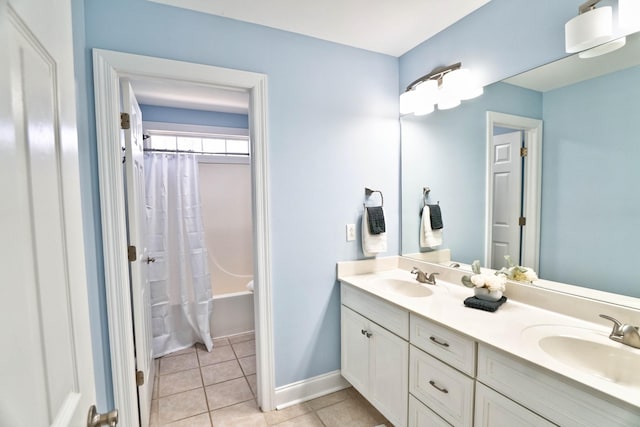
(108,68)
(531,190)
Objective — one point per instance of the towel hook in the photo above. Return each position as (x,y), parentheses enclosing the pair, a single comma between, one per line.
(425,196)
(368,192)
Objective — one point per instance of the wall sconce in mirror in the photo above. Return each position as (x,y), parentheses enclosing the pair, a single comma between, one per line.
(445,87)
(592,32)
(629,15)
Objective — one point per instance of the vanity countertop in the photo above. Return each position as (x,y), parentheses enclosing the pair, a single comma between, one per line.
(508,329)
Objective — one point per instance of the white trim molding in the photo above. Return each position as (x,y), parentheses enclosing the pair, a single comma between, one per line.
(311,388)
(532,187)
(109,68)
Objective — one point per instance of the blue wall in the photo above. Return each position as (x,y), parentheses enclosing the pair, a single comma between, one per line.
(332,130)
(91,218)
(153,113)
(590,209)
(451,147)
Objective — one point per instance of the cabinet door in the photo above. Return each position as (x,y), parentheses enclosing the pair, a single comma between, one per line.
(355,350)
(495,410)
(389,370)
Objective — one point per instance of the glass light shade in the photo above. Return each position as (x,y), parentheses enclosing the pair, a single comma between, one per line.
(629,15)
(461,84)
(424,110)
(447,103)
(408,102)
(603,48)
(588,29)
(426,97)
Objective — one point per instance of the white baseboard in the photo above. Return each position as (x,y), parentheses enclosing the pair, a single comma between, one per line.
(311,388)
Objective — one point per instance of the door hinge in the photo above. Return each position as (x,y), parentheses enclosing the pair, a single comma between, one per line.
(125,121)
(523,151)
(522,221)
(139,378)
(131,253)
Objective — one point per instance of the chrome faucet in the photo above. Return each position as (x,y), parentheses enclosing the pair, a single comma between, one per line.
(625,334)
(423,277)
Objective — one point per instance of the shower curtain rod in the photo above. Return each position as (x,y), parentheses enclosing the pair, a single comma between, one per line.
(163,150)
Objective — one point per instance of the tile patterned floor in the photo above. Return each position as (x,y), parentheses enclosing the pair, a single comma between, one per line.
(195,388)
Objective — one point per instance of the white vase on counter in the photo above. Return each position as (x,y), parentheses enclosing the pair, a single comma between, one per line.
(486,294)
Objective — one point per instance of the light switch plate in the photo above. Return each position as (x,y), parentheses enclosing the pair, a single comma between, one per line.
(351,232)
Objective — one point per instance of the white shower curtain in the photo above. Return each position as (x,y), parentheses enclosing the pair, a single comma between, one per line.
(179,278)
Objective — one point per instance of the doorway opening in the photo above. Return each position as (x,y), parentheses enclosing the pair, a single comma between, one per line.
(513,182)
(109,68)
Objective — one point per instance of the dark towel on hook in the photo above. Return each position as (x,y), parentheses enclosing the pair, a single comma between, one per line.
(376,220)
(436,217)
(485,305)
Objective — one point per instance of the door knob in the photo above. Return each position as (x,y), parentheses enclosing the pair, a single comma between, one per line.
(149,260)
(94,419)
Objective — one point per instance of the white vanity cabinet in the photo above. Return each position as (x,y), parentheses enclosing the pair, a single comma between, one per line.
(374,360)
(420,372)
(558,400)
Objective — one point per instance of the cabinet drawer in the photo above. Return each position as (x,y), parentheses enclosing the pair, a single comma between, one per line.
(444,390)
(495,410)
(387,315)
(421,416)
(451,347)
(553,397)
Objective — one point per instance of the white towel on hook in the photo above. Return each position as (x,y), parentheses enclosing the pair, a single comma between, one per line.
(372,244)
(428,238)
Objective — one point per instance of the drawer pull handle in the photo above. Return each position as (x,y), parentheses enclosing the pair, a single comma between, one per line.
(434,385)
(366,333)
(435,340)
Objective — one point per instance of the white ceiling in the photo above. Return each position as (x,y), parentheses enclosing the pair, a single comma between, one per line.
(384,26)
(170,93)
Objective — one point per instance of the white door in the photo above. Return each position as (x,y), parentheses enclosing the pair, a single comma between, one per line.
(136,215)
(46,364)
(506,173)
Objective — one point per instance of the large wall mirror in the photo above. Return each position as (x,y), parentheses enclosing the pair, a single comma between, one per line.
(589,201)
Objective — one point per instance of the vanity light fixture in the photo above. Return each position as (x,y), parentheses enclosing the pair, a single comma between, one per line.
(444,86)
(591,32)
(591,27)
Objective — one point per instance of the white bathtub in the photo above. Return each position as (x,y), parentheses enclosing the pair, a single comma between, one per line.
(232,314)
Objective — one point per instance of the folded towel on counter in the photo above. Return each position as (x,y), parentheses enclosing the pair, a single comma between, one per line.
(436,217)
(485,305)
(429,238)
(372,244)
(376,220)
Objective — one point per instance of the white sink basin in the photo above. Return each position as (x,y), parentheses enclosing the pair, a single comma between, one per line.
(403,287)
(588,351)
